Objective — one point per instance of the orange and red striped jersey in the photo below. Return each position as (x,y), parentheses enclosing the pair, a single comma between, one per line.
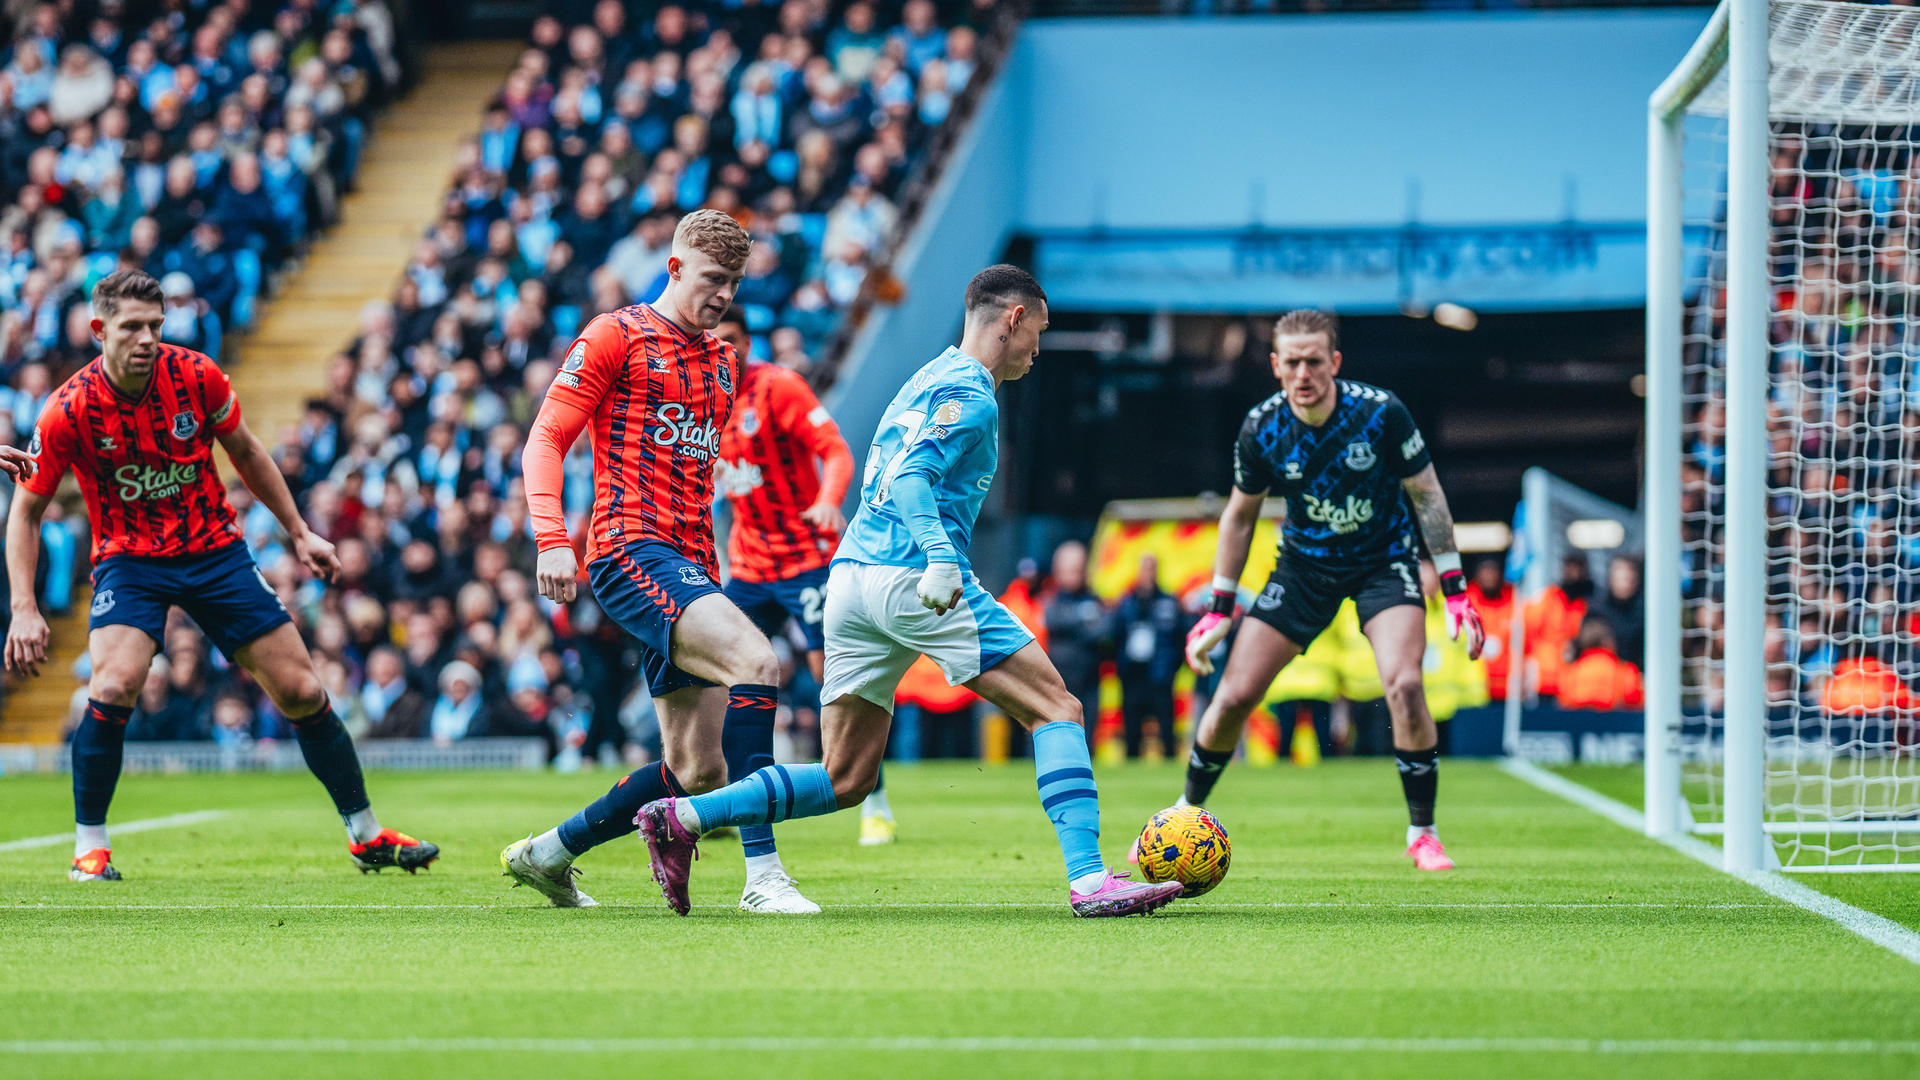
(145,465)
(767,470)
(657,397)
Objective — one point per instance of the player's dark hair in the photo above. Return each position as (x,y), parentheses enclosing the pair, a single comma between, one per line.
(1310,321)
(1001,286)
(124,285)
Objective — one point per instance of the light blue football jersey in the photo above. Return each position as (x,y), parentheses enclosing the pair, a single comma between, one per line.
(944,425)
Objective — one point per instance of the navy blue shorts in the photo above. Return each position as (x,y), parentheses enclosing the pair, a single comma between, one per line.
(222,591)
(644,587)
(769,603)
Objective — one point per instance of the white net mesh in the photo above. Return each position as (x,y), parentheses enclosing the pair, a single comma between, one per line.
(1843,778)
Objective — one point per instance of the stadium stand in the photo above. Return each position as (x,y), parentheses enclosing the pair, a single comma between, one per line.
(1844,557)
(821,128)
(209,146)
(560,206)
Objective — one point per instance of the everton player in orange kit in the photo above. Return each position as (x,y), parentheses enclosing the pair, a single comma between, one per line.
(786,525)
(137,426)
(654,388)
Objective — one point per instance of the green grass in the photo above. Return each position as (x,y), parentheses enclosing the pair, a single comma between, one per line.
(1557,925)
(1897,896)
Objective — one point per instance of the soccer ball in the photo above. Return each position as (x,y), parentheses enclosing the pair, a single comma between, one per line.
(1185,844)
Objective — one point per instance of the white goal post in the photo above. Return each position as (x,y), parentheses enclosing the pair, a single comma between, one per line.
(1783,428)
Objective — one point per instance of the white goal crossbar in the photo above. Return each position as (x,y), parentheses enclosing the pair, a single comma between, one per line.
(1756,66)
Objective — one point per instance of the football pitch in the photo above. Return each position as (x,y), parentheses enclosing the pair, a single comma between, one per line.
(1564,945)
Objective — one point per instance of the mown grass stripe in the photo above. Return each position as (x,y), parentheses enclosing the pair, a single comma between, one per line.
(982,1044)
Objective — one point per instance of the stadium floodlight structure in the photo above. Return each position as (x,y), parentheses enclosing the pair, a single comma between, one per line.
(1783,519)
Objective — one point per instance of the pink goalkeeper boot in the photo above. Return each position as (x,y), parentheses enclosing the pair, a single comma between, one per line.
(1428,853)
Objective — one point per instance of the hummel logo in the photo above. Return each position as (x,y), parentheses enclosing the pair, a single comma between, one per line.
(107,443)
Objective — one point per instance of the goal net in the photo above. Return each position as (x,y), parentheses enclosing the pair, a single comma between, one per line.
(1842,750)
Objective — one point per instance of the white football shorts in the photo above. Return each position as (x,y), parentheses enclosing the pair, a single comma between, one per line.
(876,628)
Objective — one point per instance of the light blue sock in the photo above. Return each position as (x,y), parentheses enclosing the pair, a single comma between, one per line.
(775,793)
(1068,794)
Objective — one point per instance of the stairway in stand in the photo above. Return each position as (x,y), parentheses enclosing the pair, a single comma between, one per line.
(283,362)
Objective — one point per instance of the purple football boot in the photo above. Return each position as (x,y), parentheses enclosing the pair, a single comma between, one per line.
(671,849)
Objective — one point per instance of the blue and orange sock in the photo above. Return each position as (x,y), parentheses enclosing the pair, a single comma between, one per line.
(1068,794)
(99,744)
(610,817)
(747,742)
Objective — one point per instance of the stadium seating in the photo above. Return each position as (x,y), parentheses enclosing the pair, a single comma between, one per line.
(560,207)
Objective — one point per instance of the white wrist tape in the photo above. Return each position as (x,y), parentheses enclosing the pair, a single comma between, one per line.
(1450,561)
(1222,583)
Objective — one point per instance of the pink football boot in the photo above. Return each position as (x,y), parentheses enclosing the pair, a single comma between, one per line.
(1428,853)
(1118,896)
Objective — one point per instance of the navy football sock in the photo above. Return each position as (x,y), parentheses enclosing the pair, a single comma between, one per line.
(1420,782)
(98,745)
(610,817)
(747,742)
(1203,771)
(328,748)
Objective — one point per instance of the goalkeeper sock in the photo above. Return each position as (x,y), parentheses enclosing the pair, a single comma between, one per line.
(610,817)
(1420,780)
(747,742)
(1203,771)
(99,743)
(1068,794)
(330,756)
(773,794)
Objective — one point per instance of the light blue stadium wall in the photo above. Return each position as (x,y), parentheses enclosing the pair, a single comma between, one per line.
(1193,123)
(974,210)
(1140,151)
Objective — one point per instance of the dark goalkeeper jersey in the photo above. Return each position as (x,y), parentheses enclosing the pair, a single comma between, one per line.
(1345,507)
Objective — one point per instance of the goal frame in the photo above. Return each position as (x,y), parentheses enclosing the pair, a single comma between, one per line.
(1735,43)
(1735,38)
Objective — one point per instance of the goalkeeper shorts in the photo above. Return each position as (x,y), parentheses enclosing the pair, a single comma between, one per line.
(1302,597)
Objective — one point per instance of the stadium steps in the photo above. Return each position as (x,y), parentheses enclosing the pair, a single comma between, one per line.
(283,360)
(402,179)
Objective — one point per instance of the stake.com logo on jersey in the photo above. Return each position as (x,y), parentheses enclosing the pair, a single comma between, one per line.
(686,435)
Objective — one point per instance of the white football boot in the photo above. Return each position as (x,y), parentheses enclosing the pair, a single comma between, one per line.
(776,894)
(517,863)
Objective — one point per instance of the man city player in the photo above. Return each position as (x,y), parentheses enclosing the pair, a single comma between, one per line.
(899,587)
(1356,478)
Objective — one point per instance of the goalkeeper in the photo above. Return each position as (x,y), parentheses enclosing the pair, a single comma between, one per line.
(1356,478)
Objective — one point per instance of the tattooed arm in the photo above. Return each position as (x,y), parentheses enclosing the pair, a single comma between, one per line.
(1430,509)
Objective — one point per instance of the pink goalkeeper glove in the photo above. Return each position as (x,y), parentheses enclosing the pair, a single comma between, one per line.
(1462,619)
(1212,627)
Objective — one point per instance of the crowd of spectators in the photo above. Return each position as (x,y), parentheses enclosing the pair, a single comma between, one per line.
(203,146)
(203,143)
(1843,414)
(799,123)
(561,206)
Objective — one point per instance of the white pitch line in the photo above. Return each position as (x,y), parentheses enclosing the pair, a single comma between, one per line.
(1015,1045)
(1878,929)
(144,825)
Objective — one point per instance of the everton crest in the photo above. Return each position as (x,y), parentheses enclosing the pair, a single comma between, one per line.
(1360,456)
(185,424)
(749,421)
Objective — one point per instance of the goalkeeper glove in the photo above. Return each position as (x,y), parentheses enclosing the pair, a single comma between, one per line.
(1461,617)
(940,587)
(1212,627)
